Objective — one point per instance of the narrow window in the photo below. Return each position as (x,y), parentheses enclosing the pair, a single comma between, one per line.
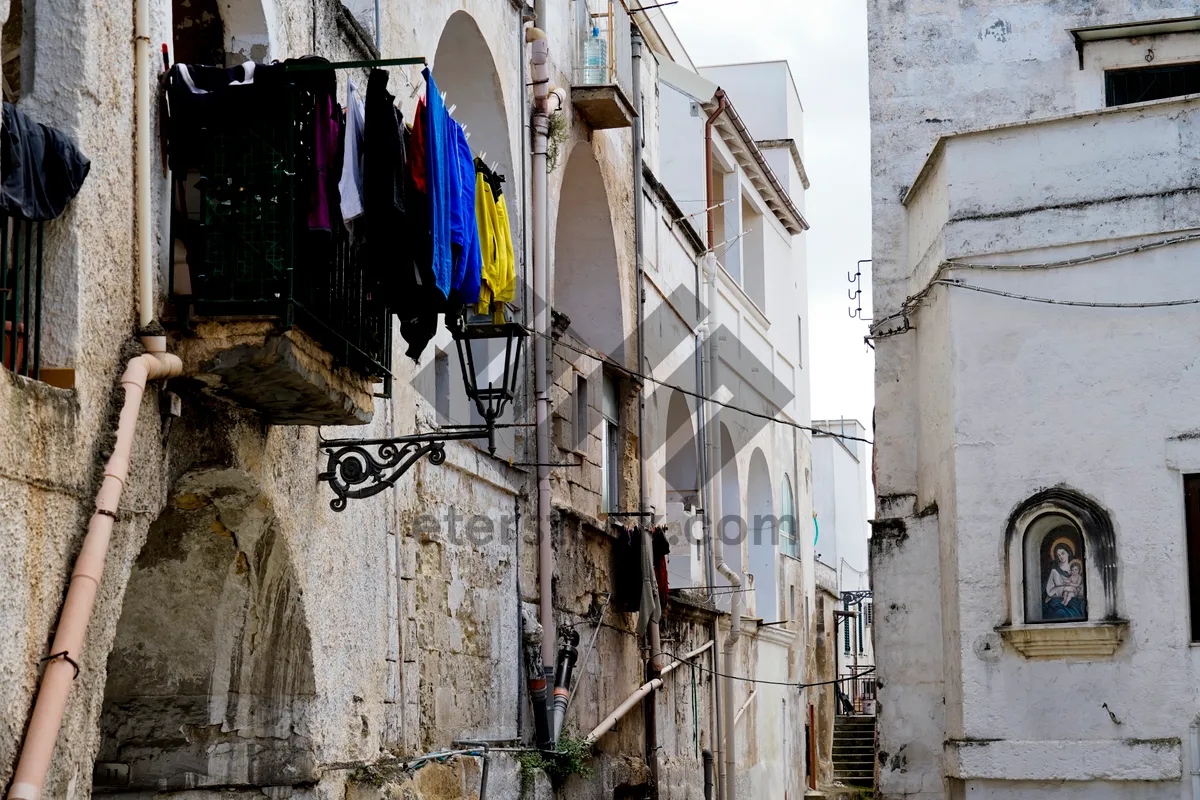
(800,342)
(610,410)
(1191,491)
(861,620)
(870,614)
(846,627)
(1141,84)
(441,386)
(582,424)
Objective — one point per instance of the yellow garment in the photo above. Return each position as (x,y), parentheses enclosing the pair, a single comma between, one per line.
(499,278)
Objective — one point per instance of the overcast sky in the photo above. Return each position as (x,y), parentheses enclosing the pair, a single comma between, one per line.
(825,43)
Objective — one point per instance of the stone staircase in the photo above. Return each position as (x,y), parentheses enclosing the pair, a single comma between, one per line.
(854,750)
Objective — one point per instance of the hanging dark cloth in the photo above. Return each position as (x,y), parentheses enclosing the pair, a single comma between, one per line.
(662,548)
(41,168)
(627,570)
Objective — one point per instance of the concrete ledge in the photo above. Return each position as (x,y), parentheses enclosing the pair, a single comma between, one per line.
(1060,760)
(1066,640)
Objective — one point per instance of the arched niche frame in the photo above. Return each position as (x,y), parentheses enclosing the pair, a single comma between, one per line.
(1060,564)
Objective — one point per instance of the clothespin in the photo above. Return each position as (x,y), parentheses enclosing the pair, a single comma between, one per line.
(450,110)
(483,156)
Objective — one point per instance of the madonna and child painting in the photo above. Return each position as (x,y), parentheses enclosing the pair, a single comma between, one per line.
(1064,579)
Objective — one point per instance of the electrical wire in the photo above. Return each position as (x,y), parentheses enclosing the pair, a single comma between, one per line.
(647,378)
(1079,303)
(763,681)
(912,301)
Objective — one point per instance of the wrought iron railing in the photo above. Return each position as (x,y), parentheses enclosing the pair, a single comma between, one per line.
(250,250)
(859,692)
(21,296)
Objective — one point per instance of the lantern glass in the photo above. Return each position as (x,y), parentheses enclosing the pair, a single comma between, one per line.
(490,357)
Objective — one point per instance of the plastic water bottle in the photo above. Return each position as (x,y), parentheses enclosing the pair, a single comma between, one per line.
(595,59)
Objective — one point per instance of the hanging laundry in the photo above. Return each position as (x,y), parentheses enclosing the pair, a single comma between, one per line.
(323,189)
(650,609)
(42,167)
(498,278)
(468,263)
(416,159)
(662,549)
(442,180)
(350,186)
(418,308)
(627,570)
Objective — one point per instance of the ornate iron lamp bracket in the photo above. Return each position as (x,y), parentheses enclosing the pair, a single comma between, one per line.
(359,468)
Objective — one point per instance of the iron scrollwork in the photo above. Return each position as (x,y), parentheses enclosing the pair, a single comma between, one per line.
(359,468)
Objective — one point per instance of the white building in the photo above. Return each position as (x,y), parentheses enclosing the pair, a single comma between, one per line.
(841,495)
(757,184)
(1035,461)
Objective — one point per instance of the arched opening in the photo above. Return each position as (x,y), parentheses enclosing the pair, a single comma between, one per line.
(764,528)
(220,32)
(210,678)
(684,564)
(464,69)
(1061,559)
(732,525)
(587,285)
(681,472)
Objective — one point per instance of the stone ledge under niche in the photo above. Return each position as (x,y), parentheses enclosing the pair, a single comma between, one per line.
(1085,640)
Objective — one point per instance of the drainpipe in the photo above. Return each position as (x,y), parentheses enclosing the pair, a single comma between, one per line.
(714,462)
(156,364)
(639,237)
(540,73)
(141,92)
(1195,730)
(67,650)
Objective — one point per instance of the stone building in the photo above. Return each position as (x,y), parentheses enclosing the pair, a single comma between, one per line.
(1034,225)
(247,637)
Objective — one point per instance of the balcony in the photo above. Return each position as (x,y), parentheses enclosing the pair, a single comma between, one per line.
(600,92)
(279,318)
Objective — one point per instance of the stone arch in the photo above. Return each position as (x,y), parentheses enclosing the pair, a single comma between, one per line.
(764,531)
(465,70)
(732,526)
(1032,520)
(210,678)
(681,470)
(222,32)
(587,282)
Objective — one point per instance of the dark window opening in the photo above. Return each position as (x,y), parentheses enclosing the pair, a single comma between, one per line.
(1124,86)
(1191,492)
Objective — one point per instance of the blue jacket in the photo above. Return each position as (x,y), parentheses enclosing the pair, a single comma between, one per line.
(468,264)
(442,178)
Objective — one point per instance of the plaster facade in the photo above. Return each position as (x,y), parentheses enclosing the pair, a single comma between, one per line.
(248,639)
(992,147)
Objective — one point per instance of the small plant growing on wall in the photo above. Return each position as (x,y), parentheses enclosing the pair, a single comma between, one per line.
(569,758)
(557,135)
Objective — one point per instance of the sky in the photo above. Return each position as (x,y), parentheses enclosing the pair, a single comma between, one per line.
(825,43)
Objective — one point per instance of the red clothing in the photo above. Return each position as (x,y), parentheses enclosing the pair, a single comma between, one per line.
(416,154)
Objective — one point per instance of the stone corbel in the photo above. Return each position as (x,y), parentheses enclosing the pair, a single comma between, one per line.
(1084,641)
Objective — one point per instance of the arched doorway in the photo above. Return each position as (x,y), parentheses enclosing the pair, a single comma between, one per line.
(210,678)
(587,284)
(764,530)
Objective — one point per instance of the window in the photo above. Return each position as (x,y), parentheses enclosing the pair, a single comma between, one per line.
(870,614)
(861,619)
(847,625)
(1191,491)
(800,342)
(1055,570)
(1124,86)
(441,386)
(789,543)
(582,424)
(610,411)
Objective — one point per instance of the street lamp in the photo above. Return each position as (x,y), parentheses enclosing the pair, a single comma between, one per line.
(359,468)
